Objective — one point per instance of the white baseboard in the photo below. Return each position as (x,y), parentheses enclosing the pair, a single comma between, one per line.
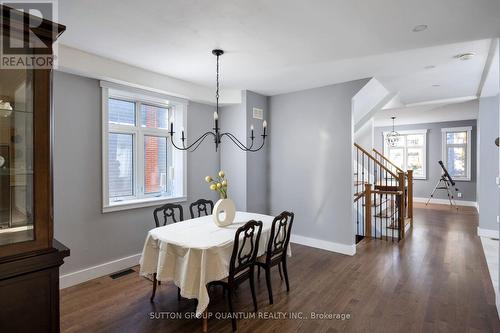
(446,202)
(490,233)
(324,245)
(86,274)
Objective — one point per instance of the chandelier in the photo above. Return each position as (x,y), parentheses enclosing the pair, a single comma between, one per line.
(216,132)
(393,137)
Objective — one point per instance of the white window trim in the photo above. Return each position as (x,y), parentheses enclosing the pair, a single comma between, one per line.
(179,158)
(444,156)
(424,145)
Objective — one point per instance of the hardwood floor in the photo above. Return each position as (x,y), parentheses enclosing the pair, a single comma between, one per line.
(436,280)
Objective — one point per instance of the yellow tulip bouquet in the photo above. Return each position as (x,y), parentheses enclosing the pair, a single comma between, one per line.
(218,184)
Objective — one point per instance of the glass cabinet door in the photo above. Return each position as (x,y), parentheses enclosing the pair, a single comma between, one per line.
(16,156)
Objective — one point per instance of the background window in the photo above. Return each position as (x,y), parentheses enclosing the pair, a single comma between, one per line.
(457,151)
(409,152)
(120,165)
(155,164)
(121,112)
(138,159)
(154,116)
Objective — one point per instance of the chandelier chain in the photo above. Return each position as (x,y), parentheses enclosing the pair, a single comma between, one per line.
(217,90)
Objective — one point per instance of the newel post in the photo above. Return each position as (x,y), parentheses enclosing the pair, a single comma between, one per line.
(368,210)
(402,214)
(410,195)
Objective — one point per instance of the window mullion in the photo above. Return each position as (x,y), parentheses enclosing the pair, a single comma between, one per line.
(140,151)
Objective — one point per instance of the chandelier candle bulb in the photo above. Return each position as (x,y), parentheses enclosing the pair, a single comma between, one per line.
(216,120)
(171,126)
(182,135)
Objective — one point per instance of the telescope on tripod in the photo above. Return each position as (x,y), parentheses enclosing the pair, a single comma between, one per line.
(445,183)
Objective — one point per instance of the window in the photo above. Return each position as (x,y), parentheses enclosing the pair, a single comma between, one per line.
(456,153)
(409,153)
(140,168)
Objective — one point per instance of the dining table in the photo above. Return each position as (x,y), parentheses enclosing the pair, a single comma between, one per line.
(194,252)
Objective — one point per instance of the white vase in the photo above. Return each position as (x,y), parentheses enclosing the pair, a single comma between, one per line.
(224,212)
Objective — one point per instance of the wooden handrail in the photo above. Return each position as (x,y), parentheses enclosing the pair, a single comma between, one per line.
(387,192)
(359,196)
(387,160)
(375,160)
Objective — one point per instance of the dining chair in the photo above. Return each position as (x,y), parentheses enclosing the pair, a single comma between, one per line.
(242,263)
(277,247)
(203,207)
(168,212)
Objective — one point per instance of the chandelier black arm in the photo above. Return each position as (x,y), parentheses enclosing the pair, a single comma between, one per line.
(237,142)
(240,145)
(197,141)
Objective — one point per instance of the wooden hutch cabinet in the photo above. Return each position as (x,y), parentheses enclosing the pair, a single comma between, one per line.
(29,256)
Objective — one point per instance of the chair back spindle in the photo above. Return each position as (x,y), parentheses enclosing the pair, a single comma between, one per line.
(245,248)
(280,235)
(203,207)
(168,212)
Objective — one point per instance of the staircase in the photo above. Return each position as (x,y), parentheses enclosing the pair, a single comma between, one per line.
(383,197)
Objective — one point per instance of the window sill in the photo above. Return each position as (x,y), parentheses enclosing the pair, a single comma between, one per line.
(140,203)
(461,179)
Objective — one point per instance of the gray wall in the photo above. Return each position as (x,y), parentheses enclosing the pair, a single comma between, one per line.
(310,159)
(93,237)
(232,159)
(257,162)
(423,187)
(364,135)
(488,167)
(247,171)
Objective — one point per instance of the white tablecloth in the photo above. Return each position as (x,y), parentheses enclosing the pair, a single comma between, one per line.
(195,252)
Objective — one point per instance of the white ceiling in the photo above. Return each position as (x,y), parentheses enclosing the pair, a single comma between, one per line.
(467,108)
(405,72)
(283,45)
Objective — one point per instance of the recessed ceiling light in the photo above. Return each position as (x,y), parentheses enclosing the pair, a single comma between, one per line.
(430,67)
(436,85)
(420,27)
(465,56)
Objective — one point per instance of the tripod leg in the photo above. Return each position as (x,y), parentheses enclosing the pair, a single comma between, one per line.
(450,196)
(432,193)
